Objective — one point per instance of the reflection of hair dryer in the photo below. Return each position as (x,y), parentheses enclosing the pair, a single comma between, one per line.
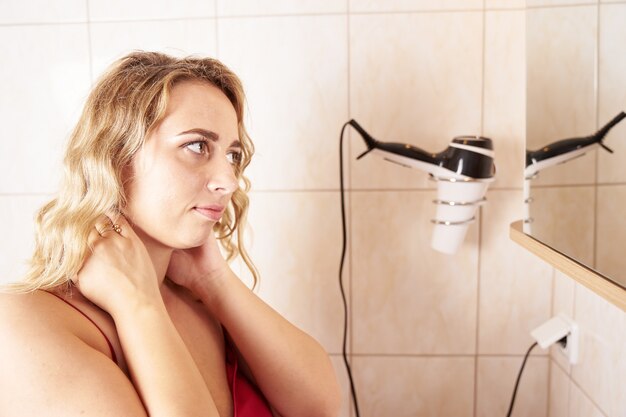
(462,171)
(560,152)
(567,149)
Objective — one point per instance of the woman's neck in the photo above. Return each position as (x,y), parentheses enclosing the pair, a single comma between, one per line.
(159,254)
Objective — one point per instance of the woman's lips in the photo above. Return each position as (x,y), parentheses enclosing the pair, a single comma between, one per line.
(211,212)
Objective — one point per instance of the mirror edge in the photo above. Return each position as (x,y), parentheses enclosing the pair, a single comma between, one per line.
(596,282)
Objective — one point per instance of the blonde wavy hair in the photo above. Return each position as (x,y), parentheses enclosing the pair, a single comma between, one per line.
(126,104)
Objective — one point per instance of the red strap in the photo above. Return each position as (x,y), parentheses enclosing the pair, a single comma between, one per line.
(113,356)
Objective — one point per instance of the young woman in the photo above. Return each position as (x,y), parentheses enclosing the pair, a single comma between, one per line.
(129,308)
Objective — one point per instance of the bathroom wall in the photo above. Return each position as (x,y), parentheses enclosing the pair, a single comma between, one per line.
(431,334)
(576,84)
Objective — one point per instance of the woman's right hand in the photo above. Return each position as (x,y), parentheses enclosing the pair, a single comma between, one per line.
(119,277)
(119,271)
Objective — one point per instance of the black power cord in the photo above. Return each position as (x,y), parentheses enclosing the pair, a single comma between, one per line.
(343,257)
(519,375)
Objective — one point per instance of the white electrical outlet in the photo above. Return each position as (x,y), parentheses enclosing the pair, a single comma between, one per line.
(555,329)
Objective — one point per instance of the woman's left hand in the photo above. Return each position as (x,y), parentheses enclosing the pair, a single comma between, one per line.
(192,267)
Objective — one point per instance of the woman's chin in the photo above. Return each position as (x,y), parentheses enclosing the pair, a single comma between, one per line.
(192,242)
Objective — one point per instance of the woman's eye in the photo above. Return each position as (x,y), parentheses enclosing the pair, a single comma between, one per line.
(199,147)
(234,157)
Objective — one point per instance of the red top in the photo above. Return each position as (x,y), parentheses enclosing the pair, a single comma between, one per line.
(248,401)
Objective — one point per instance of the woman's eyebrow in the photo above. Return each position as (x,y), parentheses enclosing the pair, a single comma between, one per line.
(209,134)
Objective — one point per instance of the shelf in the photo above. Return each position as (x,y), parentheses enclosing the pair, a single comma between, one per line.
(580,273)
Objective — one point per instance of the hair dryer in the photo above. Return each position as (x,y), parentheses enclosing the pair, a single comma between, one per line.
(565,150)
(560,152)
(462,171)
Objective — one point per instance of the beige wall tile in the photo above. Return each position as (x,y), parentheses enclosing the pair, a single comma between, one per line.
(612,94)
(408,298)
(40,11)
(560,85)
(581,405)
(601,369)
(108,10)
(505,94)
(39,104)
(534,3)
(296,244)
(294,70)
(515,286)
(564,220)
(563,297)
(611,232)
(412,5)
(558,398)
(414,78)
(273,7)
(415,386)
(110,41)
(17,246)
(505,4)
(496,380)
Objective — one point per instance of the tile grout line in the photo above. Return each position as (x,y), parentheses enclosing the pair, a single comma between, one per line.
(569,382)
(301,191)
(349,234)
(113,21)
(447,355)
(553,292)
(477,333)
(217,39)
(18,195)
(596,82)
(381,12)
(359,13)
(588,396)
(255,16)
(570,378)
(548,396)
(89,42)
(482,72)
(366,190)
(22,24)
(572,382)
(562,6)
(480,217)
(362,190)
(569,393)
(601,184)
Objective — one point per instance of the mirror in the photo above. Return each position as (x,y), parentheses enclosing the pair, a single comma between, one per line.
(576,83)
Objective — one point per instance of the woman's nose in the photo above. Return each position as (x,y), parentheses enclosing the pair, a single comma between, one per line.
(222,178)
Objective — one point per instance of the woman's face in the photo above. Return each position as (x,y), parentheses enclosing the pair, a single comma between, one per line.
(184,176)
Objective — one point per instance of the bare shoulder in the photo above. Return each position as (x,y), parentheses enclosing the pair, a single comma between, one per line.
(24,310)
(35,314)
(47,369)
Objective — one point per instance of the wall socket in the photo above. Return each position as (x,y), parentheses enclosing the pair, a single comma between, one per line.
(556,329)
